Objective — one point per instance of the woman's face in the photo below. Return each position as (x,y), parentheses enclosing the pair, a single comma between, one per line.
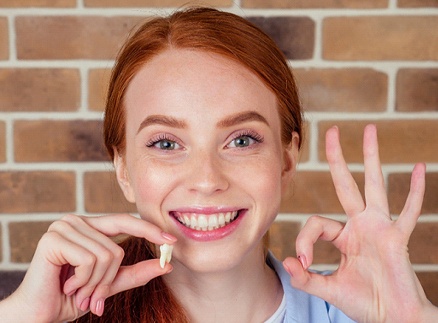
(204,159)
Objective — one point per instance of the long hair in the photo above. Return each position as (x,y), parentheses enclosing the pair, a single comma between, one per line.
(203,29)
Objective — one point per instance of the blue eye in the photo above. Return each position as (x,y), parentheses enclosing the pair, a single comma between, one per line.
(241,142)
(245,139)
(166,145)
(163,143)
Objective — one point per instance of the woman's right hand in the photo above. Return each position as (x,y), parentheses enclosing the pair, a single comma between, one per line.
(76,266)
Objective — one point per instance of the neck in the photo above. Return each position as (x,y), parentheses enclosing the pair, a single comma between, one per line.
(249,292)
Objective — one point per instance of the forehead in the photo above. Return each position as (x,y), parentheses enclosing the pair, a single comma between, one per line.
(190,81)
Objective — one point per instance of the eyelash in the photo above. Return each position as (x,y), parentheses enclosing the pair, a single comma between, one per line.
(245,133)
(161,137)
(248,133)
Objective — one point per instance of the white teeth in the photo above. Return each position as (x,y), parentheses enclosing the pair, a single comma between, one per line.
(202,223)
(206,222)
(165,254)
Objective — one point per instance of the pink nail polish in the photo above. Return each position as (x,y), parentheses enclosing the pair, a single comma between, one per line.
(99,307)
(85,304)
(168,236)
(303,261)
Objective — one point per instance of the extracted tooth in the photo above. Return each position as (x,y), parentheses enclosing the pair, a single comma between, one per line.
(165,254)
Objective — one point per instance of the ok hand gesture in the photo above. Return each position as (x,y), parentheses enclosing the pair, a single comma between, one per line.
(375,281)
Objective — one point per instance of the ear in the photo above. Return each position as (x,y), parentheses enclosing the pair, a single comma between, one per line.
(290,159)
(123,176)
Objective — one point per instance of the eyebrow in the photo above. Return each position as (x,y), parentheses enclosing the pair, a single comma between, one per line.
(241,117)
(229,121)
(162,120)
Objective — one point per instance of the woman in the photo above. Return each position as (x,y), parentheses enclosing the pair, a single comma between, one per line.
(203,124)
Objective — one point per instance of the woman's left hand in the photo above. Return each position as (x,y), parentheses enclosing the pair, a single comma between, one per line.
(375,281)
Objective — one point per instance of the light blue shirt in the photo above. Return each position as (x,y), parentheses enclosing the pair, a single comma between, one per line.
(302,307)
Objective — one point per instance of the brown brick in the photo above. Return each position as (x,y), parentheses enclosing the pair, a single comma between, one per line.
(294,35)
(398,189)
(39,89)
(304,153)
(1,243)
(155,3)
(400,141)
(282,236)
(417,3)
(102,194)
(352,90)
(23,239)
(380,38)
(38,3)
(2,142)
(423,244)
(417,89)
(37,191)
(429,281)
(98,80)
(76,37)
(315,4)
(314,193)
(325,252)
(4,39)
(58,141)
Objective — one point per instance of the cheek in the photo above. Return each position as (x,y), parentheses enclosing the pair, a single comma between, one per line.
(151,186)
(265,183)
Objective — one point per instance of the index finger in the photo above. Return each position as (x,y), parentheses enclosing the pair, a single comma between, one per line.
(113,225)
(346,188)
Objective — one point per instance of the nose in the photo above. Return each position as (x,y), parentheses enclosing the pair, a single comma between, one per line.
(207,173)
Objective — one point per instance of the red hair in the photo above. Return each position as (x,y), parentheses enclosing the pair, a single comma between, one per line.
(208,30)
(203,29)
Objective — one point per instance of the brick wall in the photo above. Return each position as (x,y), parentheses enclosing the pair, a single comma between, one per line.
(356,61)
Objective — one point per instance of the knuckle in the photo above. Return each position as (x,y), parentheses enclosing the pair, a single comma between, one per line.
(314,220)
(89,259)
(105,256)
(118,253)
(58,226)
(49,238)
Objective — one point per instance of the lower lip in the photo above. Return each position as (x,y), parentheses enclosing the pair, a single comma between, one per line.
(212,235)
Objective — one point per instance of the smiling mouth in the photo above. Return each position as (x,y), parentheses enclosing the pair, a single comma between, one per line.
(206,222)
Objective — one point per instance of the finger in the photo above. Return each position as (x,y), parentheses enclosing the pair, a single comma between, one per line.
(137,275)
(345,185)
(113,225)
(107,259)
(412,209)
(315,228)
(375,192)
(312,283)
(60,252)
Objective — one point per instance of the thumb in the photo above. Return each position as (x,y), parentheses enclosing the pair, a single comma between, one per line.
(307,281)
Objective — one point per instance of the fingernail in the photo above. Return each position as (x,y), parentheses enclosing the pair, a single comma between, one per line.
(287,268)
(85,304)
(99,307)
(168,236)
(303,261)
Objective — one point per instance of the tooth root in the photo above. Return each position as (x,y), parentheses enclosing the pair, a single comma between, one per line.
(165,254)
